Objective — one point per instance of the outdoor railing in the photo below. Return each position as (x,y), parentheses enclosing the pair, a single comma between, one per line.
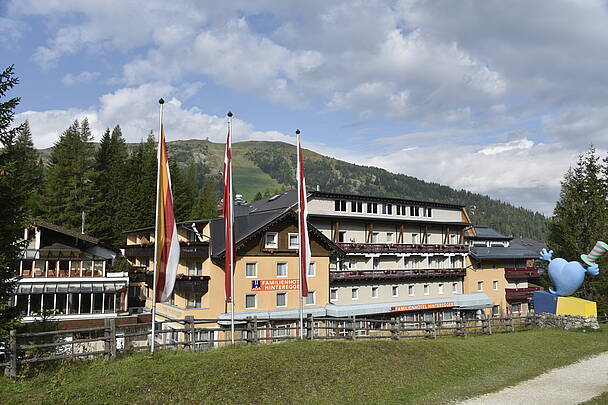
(402,248)
(522,272)
(520,293)
(17,349)
(394,274)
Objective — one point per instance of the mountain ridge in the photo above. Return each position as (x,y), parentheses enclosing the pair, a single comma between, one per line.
(269,166)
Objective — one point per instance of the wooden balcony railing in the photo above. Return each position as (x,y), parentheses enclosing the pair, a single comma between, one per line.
(522,272)
(520,294)
(394,274)
(401,248)
(194,250)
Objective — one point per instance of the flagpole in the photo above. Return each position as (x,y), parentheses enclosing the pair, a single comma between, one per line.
(232,259)
(299,236)
(161,102)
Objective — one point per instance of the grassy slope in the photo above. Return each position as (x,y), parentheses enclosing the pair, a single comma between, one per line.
(415,371)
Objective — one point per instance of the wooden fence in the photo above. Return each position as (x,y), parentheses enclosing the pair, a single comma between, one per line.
(17,349)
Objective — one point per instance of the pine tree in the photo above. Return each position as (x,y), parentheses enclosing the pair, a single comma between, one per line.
(182,200)
(206,205)
(580,220)
(68,182)
(12,201)
(140,199)
(107,219)
(30,164)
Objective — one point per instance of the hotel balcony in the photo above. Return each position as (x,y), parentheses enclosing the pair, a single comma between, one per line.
(394,274)
(188,250)
(522,272)
(401,248)
(183,282)
(520,294)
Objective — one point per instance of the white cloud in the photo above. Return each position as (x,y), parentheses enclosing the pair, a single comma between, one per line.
(498,148)
(578,126)
(82,77)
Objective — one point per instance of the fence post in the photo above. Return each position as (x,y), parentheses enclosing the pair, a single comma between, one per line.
(12,367)
(465,332)
(509,324)
(255,331)
(107,345)
(190,332)
(433,329)
(311,327)
(352,329)
(113,338)
(394,329)
(249,330)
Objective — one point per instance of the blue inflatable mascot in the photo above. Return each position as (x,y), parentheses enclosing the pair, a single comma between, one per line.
(566,276)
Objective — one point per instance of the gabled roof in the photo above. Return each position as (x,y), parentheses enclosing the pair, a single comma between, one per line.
(281,201)
(66,231)
(148,228)
(487,233)
(248,226)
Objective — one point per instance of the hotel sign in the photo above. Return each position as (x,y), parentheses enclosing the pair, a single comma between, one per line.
(422,306)
(275,285)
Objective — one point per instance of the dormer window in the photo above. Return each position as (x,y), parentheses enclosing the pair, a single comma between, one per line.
(271,240)
(293,241)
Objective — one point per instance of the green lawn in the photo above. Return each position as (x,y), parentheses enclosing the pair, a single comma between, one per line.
(412,371)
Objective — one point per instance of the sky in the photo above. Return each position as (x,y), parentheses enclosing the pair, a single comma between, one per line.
(494,97)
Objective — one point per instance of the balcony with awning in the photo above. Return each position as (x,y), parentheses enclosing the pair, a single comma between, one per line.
(395,274)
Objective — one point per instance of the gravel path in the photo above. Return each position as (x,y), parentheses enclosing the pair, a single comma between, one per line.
(573,384)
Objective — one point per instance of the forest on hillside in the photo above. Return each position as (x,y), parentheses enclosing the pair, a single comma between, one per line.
(339,176)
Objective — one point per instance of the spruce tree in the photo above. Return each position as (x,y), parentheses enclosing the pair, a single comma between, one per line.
(140,201)
(107,220)
(30,164)
(206,205)
(12,201)
(68,182)
(580,220)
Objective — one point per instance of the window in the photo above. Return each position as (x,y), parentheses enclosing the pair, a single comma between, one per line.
(333,294)
(375,263)
(372,208)
(495,285)
(454,288)
(410,290)
(414,211)
(354,293)
(342,236)
(251,270)
(387,209)
(453,239)
(427,212)
(395,291)
(440,287)
(496,310)
(414,238)
(389,237)
(271,240)
(426,289)
(401,210)
(310,298)
(293,241)
(374,292)
(356,206)
(516,308)
(194,300)
(281,299)
(352,264)
(312,269)
(250,301)
(195,268)
(340,205)
(480,286)
(375,237)
(281,269)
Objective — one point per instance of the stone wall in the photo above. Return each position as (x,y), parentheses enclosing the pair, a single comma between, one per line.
(545,320)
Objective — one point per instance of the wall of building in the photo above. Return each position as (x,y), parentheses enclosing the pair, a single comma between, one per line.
(385,290)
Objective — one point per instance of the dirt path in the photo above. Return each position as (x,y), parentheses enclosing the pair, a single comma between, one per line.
(571,384)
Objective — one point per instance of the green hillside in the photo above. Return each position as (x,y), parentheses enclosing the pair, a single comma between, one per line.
(260,166)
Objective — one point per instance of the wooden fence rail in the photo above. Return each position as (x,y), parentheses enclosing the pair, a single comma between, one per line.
(190,334)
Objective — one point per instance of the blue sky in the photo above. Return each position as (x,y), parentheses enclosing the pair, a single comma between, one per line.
(494,97)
